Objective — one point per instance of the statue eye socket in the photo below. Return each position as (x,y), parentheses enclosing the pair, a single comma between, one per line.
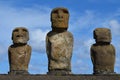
(65,11)
(16,30)
(24,30)
(56,11)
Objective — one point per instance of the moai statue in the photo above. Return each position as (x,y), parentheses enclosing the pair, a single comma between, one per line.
(19,52)
(59,43)
(102,52)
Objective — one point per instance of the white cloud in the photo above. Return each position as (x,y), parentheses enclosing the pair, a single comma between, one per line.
(81,56)
(88,43)
(115,27)
(82,21)
(30,17)
(37,39)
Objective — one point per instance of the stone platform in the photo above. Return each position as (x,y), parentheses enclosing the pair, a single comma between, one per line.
(57,77)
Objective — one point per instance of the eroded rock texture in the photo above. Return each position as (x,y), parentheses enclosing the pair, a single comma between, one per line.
(59,43)
(19,52)
(102,52)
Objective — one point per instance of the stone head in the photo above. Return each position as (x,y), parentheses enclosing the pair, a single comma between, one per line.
(102,35)
(20,35)
(60,18)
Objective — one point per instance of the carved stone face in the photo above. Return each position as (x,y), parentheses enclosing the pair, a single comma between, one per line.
(20,35)
(59,18)
(102,35)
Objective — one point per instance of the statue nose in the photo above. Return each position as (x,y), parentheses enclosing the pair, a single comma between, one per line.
(19,35)
(60,15)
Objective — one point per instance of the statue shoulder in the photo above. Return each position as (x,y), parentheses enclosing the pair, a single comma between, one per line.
(28,46)
(11,46)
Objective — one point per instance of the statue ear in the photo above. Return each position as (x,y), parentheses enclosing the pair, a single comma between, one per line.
(27,34)
(12,37)
(28,37)
(94,34)
(13,32)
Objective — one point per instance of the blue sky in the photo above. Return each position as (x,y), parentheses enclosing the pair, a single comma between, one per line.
(85,16)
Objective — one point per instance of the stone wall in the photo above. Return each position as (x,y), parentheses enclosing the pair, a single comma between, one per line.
(68,77)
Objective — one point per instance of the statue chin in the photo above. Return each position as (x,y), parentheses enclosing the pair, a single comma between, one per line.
(20,41)
(59,25)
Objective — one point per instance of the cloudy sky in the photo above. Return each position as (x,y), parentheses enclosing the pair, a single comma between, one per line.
(85,16)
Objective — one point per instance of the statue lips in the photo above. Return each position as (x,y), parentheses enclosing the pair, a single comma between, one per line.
(60,19)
